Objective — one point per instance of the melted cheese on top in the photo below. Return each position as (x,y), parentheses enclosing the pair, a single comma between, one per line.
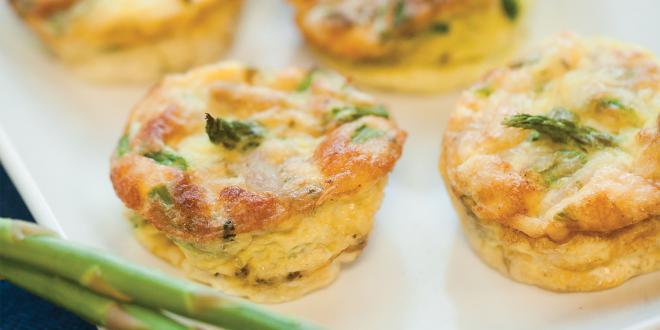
(272,221)
(137,40)
(407,32)
(546,188)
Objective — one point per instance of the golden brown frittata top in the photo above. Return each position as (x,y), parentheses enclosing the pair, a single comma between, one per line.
(226,149)
(108,23)
(364,30)
(565,140)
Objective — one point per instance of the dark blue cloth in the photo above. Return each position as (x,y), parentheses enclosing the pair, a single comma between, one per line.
(19,309)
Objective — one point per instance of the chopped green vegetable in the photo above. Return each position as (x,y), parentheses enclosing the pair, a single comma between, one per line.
(484,91)
(564,163)
(400,12)
(123,146)
(510,8)
(347,114)
(439,28)
(611,103)
(168,159)
(58,23)
(234,134)
(160,191)
(562,127)
(564,217)
(365,133)
(534,136)
(627,113)
(306,82)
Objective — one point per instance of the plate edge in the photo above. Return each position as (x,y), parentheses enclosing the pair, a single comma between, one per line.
(26,185)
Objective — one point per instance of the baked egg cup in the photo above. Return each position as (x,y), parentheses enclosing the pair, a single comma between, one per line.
(411,45)
(258,183)
(553,164)
(131,41)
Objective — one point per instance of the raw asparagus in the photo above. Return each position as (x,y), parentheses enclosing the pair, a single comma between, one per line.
(100,272)
(94,308)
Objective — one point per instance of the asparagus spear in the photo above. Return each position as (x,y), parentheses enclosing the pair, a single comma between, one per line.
(561,129)
(88,305)
(116,278)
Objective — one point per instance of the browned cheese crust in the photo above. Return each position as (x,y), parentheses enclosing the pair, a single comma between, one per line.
(40,9)
(579,217)
(411,45)
(131,40)
(363,30)
(305,159)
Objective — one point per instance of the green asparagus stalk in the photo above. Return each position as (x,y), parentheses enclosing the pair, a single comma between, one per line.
(94,308)
(111,276)
(560,128)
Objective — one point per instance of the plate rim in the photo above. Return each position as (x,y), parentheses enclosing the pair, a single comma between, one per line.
(26,185)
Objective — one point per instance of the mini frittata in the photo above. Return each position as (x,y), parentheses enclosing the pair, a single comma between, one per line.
(131,40)
(411,45)
(258,183)
(553,164)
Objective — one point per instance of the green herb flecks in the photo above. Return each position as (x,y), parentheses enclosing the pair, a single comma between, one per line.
(563,164)
(58,23)
(611,103)
(565,218)
(123,146)
(623,111)
(510,8)
(234,134)
(161,192)
(439,28)
(347,114)
(534,136)
(306,82)
(484,91)
(168,159)
(562,127)
(365,133)
(400,12)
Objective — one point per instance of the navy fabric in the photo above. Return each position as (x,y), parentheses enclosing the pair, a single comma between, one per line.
(19,309)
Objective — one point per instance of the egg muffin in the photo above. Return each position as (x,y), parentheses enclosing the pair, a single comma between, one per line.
(553,164)
(131,40)
(258,183)
(411,45)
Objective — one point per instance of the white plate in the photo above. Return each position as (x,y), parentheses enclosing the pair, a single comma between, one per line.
(57,132)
